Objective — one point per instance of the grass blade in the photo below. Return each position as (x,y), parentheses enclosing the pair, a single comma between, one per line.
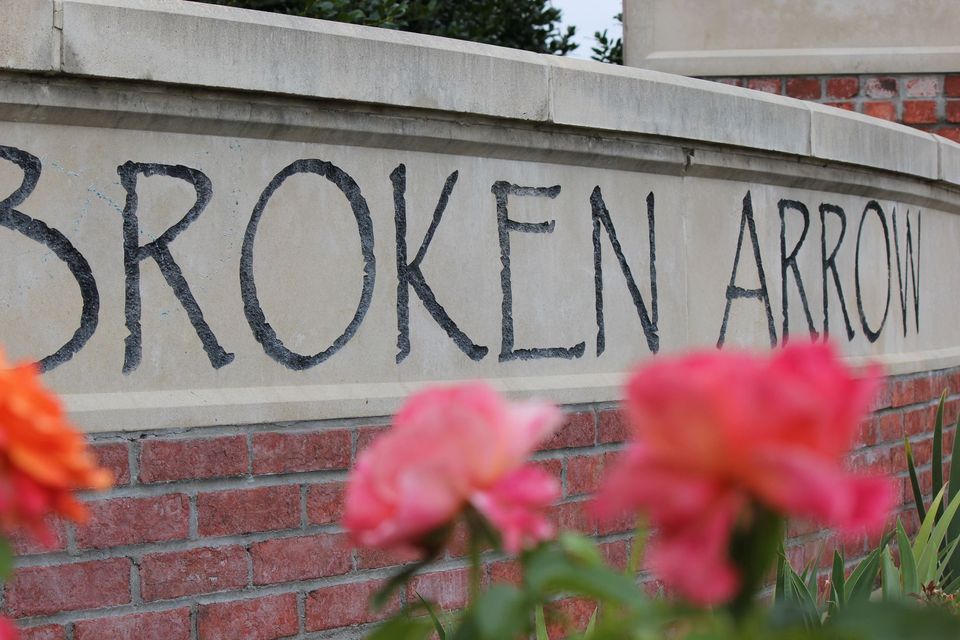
(779,592)
(914,482)
(838,587)
(927,564)
(441,633)
(937,466)
(908,564)
(954,488)
(860,584)
(890,577)
(540,625)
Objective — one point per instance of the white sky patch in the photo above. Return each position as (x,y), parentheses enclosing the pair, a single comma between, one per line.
(590,16)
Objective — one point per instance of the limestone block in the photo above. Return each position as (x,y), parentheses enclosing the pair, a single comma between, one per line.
(609,97)
(791,37)
(949,160)
(28,37)
(190,43)
(845,136)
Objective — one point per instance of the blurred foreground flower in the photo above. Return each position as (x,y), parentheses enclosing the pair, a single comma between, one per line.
(451,447)
(43,459)
(727,443)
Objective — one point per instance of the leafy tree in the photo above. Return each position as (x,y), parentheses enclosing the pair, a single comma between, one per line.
(607,49)
(532,25)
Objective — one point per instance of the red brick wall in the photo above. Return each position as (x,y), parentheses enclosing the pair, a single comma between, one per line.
(231,534)
(929,102)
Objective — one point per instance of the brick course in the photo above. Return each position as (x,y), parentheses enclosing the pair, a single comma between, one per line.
(250,547)
(923,101)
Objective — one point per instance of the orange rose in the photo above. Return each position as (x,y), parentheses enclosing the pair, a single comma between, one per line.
(43,458)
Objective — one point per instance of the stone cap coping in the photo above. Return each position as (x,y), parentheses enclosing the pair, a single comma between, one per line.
(201,45)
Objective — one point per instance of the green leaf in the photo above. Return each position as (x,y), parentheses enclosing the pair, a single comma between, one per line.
(801,595)
(540,625)
(954,489)
(908,564)
(926,528)
(7,559)
(548,571)
(779,592)
(581,548)
(501,613)
(927,562)
(914,482)
(402,627)
(437,626)
(591,625)
(838,580)
(889,576)
(894,620)
(860,585)
(937,467)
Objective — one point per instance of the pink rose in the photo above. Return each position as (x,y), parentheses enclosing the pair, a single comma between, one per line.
(715,432)
(450,447)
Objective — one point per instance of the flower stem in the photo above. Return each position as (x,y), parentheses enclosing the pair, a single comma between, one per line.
(475,566)
(638,547)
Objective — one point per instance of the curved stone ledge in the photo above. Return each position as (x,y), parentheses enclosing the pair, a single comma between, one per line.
(191,44)
(281,219)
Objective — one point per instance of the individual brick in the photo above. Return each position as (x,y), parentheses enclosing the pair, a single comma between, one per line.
(919,112)
(885,87)
(366,435)
(733,82)
(616,553)
(584,474)
(506,572)
(912,390)
(578,430)
(302,558)
(265,618)
(124,521)
(325,502)
(612,426)
(951,133)
(44,632)
(25,542)
(345,605)
(370,558)
(167,575)
(952,111)
(448,589)
(767,85)
(37,591)
(951,86)
(882,110)
(843,87)
(155,625)
(804,88)
(239,511)
(922,87)
(299,452)
(568,616)
(919,420)
(115,457)
(572,516)
(846,106)
(193,459)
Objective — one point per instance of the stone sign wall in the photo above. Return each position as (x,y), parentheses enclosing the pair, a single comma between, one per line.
(194,239)
(235,241)
(216,276)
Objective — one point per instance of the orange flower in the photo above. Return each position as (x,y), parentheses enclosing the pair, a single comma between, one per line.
(43,459)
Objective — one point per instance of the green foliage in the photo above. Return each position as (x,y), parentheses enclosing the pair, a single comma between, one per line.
(939,496)
(607,48)
(532,25)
